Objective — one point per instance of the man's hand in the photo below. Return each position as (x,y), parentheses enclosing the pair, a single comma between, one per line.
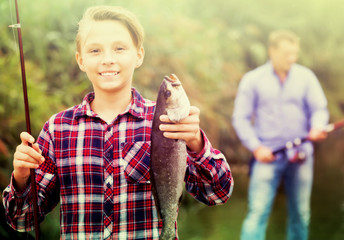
(263,154)
(317,135)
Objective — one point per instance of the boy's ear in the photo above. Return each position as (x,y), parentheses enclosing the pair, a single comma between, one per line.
(79,61)
(140,57)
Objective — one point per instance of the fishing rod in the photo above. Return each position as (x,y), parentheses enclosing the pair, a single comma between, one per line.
(27,118)
(298,141)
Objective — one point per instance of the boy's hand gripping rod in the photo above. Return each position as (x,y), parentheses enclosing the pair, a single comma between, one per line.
(298,141)
(27,116)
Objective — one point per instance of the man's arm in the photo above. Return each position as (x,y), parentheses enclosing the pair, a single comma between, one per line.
(317,103)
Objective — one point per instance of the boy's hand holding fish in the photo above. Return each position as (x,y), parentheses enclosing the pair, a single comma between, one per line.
(187,129)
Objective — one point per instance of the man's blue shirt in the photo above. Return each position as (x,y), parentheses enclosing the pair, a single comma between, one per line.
(270,113)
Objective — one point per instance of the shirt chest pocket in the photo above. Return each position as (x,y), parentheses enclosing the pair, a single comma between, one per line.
(136,158)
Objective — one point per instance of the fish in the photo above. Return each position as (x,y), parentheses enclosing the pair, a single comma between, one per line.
(168,156)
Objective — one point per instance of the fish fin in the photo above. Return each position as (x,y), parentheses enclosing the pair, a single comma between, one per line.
(180,200)
(157,206)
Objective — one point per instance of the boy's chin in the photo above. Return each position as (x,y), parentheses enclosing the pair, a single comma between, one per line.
(112,88)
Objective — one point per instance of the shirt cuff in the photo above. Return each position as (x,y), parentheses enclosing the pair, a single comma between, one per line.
(205,152)
(253,145)
(22,193)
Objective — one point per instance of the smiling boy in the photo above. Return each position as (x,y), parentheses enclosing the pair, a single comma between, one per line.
(93,158)
(109,57)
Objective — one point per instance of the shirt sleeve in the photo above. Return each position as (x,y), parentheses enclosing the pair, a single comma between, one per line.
(244,108)
(19,205)
(317,103)
(208,177)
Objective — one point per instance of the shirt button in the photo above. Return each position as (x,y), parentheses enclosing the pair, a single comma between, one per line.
(108,155)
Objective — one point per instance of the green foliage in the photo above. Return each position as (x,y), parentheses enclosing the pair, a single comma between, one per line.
(208,44)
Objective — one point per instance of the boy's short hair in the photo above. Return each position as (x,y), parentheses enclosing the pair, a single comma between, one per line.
(103,13)
(277,36)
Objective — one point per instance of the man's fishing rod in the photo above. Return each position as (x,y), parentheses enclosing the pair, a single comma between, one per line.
(298,141)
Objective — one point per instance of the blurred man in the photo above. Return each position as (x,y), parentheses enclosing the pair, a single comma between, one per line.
(278,102)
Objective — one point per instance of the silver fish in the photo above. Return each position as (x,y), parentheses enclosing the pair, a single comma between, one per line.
(168,156)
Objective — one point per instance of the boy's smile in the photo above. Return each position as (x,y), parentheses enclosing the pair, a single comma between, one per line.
(109,73)
(109,56)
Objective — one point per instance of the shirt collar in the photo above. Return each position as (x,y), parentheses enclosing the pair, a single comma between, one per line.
(273,72)
(271,67)
(84,109)
(135,108)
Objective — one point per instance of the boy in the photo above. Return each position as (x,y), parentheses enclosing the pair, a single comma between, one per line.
(94,157)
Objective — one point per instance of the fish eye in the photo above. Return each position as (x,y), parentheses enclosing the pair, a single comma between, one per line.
(167,93)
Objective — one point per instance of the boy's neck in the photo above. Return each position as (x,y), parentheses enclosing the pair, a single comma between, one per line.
(109,106)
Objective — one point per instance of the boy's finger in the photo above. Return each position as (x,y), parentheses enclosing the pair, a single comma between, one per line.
(22,157)
(194,110)
(179,127)
(164,118)
(25,164)
(191,119)
(26,138)
(179,135)
(30,152)
(36,147)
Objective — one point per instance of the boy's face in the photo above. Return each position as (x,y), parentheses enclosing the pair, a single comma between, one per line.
(109,56)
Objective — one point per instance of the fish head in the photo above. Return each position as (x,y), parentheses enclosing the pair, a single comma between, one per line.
(176,101)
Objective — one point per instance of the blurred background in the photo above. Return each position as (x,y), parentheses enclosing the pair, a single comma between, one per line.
(209,45)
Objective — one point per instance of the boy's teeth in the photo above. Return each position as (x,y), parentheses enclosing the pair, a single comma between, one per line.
(109,73)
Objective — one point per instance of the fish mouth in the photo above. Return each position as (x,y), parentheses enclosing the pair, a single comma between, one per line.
(109,73)
(173,79)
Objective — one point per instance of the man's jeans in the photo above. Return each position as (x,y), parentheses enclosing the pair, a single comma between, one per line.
(264,181)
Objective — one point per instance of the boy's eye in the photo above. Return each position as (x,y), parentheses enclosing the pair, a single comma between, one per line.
(94,51)
(119,49)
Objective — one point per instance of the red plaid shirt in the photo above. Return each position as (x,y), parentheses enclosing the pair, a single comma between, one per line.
(99,172)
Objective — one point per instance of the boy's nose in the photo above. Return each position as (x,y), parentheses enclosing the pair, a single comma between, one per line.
(109,58)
